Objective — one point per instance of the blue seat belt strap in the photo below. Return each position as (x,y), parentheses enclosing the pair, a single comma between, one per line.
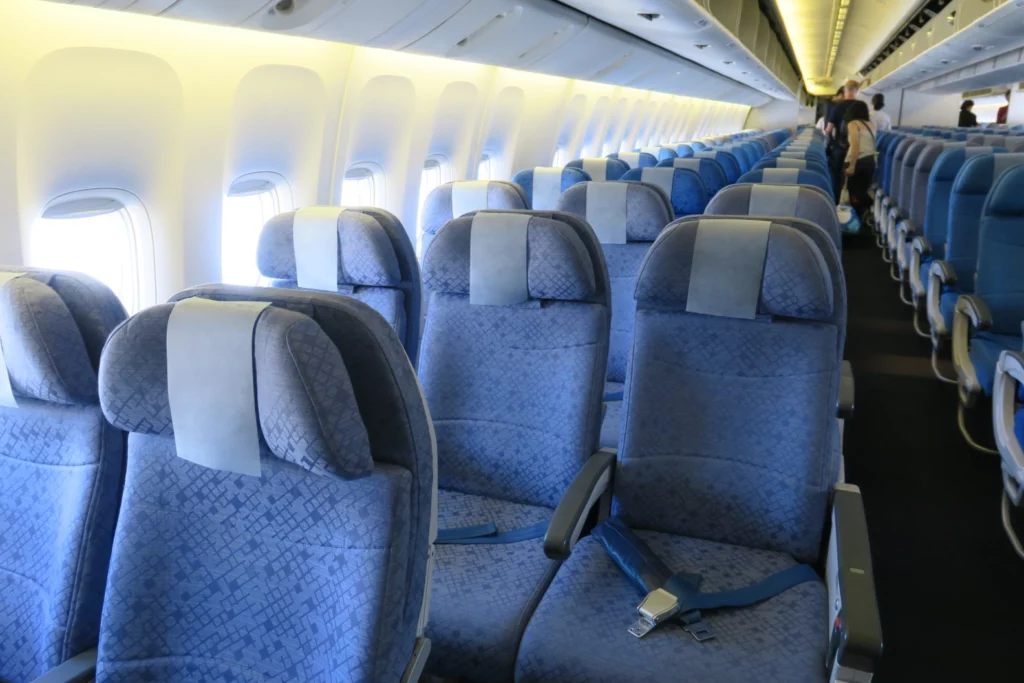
(488,533)
(613,396)
(677,597)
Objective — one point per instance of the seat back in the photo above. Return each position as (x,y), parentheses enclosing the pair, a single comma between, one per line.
(635,159)
(919,183)
(801,164)
(513,359)
(61,466)
(375,261)
(887,161)
(709,170)
(600,169)
(745,155)
(730,166)
(542,186)
(787,176)
(1001,252)
(454,199)
(909,168)
(970,190)
(781,201)
(626,221)
(683,187)
(315,508)
(729,431)
(897,168)
(659,152)
(940,189)
(683,149)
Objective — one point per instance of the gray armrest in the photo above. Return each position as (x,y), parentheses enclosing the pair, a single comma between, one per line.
(940,274)
(584,492)
(922,245)
(907,227)
(79,669)
(971,312)
(417,662)
(1009,374)
(920,248)
(855,644)
(846,392)
(905,230)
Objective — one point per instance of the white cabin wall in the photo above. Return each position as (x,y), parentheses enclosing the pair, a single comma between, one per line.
(914,108)
(775,114)
(174,112)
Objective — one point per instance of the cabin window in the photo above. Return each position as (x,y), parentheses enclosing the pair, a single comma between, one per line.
(363,185)
(485,167)
(436,172)
(561,157)
(252,200)
(99,233)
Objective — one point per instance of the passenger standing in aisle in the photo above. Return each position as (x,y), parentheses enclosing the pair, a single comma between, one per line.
(837,135)
(968,119)
(879,118)
(860,160)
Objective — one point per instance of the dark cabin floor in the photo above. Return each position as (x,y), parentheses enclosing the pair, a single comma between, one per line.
(950,588)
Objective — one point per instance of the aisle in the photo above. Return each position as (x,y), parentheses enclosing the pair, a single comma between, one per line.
(950,589)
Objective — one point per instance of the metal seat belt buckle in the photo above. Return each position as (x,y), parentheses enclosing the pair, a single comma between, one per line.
(659,606)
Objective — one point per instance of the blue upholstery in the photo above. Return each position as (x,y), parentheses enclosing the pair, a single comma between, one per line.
(614,169)
(909,168)
(570,176)
(688,196)
(803,178)
(887,162)
(1018,425)
(438,209)
(710,171)
(645,160)
(810,205)
(683,150)
(783,639)
(612,416)
(515,395)
(376,265)
(659,152)
(984,352)
(943,172)
(730,166)
(314,570)
(60,470)
(746,153)
(970,190)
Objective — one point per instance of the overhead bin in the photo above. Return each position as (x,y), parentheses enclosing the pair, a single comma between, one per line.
(231,12)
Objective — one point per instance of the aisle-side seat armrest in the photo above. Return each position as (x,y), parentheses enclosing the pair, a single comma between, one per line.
(940,274)
(971,315)
(922,245)
(592,482)
(79,669)
(855,645)
(418,661)
(1009,379)
(846,391)
(920,249)
(907,228)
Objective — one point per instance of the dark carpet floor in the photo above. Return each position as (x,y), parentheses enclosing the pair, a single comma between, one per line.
(950,588)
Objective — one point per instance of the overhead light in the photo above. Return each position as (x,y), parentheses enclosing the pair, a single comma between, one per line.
(701,46)
(649,16)
(727,62)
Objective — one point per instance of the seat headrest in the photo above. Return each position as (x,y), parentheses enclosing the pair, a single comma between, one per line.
(736,268)
(557,263)
(366,255)
(631,212)
(980,172)
(684,150)
(43,346)
(1006,199)
(635,159)
(305,406)
(684,188)
(542,186)
(600,168)
(455,199)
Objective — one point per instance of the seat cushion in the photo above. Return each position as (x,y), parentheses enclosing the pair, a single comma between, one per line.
(1018,425)
(612,416)
(984,353)
(578,632)
(483,594)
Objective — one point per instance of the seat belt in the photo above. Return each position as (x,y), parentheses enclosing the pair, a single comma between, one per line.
(488,533)
(677,597)
(613,396)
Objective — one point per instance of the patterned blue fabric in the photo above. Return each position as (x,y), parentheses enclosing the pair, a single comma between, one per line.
(320,519)
(887,162)
(984,353)
(558,266)
(803,178)
(1001,251)
(647,210)
(514,393)
(1018,425)
(578,633)
(614,168)
(612,416)
(811,205)
(753,458)
(711,172)
(376,264)
(483,595)
(60,471)
(218,576)
(815,165)
(729,164)
(645,160)
(689,196)
(745,154)
(437,207)
(947,305)
(683,150)
(940,187)
(570,176)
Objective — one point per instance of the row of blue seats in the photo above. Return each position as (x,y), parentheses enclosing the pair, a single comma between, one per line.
(278,505)
(950,219)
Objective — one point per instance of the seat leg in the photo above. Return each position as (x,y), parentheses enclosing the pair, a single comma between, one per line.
(917,327)
(961,411)
(935,364)
(1008,527)
(893,272)
(903,294)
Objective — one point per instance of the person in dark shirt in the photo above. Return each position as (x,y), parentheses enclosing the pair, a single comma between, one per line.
(835,130)
(968,119)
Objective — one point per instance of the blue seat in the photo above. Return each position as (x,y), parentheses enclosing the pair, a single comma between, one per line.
(734,487)
(953,275)
(514,385)
(376,263)
(659,152)
(991,317)
(297,546)
(684,188)
(786,176)
(600,169)
(697,146)
(746,153)
(542,186)
(635,159)
(61,467)
(458,198)
(779,201)
(1008,423)
(709,170)
(642,214)
(682,149)
(726,160)
(801,164)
